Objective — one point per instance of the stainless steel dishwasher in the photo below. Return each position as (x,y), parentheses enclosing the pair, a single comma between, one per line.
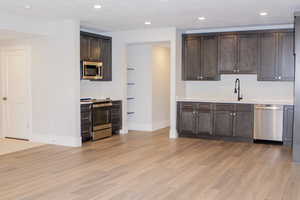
(268,122)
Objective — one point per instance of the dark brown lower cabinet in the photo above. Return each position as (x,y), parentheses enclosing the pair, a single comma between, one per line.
(288,125)
(243,124)
(86,122)
(186,118)
(217,121)
(223,123)
(116,116)
(204,122)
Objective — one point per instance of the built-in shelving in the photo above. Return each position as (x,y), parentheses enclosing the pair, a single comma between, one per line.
(130,91)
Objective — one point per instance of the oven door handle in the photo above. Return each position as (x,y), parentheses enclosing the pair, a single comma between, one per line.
(102,105)
(108,115)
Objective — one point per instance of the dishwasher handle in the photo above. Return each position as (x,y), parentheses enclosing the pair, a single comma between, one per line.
(269,107)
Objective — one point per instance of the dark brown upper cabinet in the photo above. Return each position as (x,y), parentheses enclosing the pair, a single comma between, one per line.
(267,53)
(84,47)
(227,53)
(277,56)
(248,54)
(200,57)
(209,58)
(106,58)
(238,53)
(94,47)
(286,58)
(267,67)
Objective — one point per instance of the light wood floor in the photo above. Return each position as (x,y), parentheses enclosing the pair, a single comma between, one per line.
(12,145)
(151,166)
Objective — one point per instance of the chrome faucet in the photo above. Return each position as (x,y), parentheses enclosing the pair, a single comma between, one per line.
(237,89)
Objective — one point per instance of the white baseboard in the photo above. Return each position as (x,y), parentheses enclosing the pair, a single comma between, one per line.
(123,131)
(173,134)
(160,125)
(57,140)
(139,127)
(148,127)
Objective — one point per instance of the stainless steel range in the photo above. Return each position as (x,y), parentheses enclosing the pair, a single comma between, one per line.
(101,118)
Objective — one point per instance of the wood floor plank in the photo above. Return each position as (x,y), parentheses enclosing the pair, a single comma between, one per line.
(143,165)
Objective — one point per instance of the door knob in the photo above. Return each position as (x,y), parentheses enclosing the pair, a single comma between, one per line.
(4,98)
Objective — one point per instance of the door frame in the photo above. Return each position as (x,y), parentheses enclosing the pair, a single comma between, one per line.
(3,119)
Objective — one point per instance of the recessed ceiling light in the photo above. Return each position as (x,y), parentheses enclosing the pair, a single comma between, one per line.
(201,18)
(97,6)
(147,23)
(263,13)
(27,6)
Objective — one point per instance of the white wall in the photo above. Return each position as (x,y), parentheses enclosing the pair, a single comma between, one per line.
(250,88)
(117,89)
(55,83)
(160,87)
(24,24)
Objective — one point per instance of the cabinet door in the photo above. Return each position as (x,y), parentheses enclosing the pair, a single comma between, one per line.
(209,58)
(204,123)
(94,49)
(84,48)
(243,124)
(286,60)
(247,54)
(288,125)
(106,58)
(191,59)
(116,116)
(227,54)
(223,123)
(268,56)
(187,120)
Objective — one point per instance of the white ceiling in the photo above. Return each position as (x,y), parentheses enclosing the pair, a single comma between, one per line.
(131,14)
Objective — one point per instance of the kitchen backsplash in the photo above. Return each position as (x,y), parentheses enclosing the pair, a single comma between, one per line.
(96,90)
(250,88)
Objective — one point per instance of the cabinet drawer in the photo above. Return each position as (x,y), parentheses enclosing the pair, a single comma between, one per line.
(224,107)
(86,127)
(85,107)
(187,105)
(86,116)
(204,106)
(244,107)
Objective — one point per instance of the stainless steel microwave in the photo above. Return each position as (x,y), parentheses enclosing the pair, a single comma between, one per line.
(91,70)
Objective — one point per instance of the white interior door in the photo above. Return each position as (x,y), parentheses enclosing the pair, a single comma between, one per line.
(15,94)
